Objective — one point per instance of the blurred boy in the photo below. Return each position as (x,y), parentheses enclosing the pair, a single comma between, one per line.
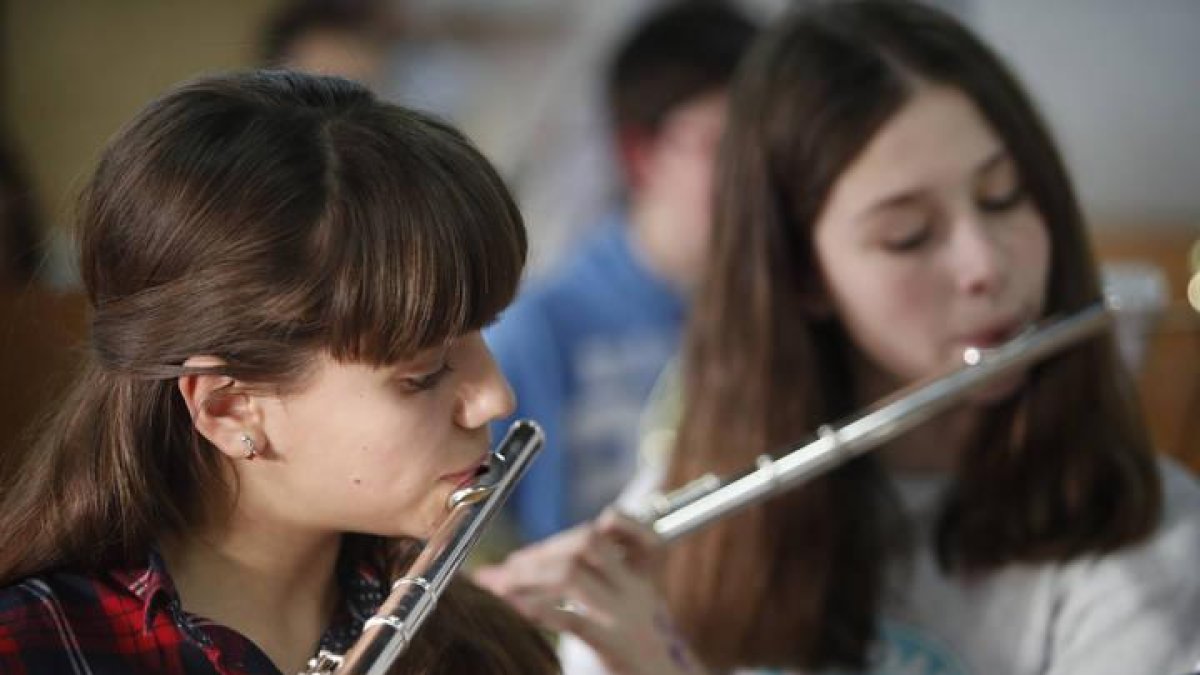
(584,347)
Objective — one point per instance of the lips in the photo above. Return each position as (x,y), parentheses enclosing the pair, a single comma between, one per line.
(469,474)
(994,335)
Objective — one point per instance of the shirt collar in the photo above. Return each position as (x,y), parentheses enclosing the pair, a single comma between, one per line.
(150,583)
(363,590)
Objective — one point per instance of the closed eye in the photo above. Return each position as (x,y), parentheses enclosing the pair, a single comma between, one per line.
(910,242)
(1003,202)
(999,186)
(428,380)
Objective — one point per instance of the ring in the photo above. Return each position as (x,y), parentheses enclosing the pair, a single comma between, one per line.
(570,607)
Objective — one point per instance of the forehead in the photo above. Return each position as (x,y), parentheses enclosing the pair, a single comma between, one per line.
(937,138)
(706,110)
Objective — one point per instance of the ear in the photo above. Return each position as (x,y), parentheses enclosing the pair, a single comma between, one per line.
(635,150)
(220,411)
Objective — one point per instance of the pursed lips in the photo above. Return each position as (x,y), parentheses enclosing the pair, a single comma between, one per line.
(994,334)
(467,475)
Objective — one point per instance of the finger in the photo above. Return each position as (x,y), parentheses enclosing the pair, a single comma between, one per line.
(603,603)
(572,616)
(643,547)
(609,560)
(573,577)
(493,578)
(542,564)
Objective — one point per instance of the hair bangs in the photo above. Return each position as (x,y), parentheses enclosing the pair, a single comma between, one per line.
(439,245)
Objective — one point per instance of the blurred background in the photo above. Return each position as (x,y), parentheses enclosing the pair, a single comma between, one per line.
(1117,80)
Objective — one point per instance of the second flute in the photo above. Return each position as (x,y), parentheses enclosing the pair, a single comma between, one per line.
(709,498)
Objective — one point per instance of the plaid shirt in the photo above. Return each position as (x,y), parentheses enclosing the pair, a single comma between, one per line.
(131,622)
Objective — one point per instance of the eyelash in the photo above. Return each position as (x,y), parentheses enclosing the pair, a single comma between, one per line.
(430,380)
(1003,203)
(1000,205)
(909,243)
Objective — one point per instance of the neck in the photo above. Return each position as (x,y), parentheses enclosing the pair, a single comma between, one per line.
(649,237)
(935,446)
(273,585)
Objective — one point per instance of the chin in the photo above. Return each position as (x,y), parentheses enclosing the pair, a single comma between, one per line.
(407,524)
(429,521)
(419,520)
(998,391)
(394,532)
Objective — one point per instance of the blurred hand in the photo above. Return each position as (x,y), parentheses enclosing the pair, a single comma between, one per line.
(595,582)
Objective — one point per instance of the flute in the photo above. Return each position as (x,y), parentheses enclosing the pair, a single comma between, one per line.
(413,598)
(709,498)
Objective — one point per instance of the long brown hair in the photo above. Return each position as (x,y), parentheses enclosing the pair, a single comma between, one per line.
(473,631)
(1065,469)
(263,218)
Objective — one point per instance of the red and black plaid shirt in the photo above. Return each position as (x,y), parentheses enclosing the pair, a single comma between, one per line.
(130,622)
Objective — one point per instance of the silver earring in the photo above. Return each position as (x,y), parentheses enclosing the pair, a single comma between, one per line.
(248,443)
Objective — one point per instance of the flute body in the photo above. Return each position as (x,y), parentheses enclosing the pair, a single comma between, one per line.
(709,498)
(414,597)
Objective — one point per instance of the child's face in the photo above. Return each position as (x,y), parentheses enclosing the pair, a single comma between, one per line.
(929,243)
(378,450)
(675,185)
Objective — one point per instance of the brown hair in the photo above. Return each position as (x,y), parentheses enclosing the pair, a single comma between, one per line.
(473,631)
(1066,468)
(260,217)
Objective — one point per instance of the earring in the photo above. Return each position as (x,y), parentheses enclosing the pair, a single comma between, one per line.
(248,443)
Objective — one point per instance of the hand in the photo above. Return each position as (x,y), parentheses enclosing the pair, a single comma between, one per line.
(594,581)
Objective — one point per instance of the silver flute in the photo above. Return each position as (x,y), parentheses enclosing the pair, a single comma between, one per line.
(709,498)
(413,598)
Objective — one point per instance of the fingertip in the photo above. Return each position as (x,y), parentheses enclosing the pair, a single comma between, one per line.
(496,587)
(611,519)
(614,520)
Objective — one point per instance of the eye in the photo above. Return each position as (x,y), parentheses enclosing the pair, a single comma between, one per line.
(910,241)
(429,380)
(1000,188)
(1004,202)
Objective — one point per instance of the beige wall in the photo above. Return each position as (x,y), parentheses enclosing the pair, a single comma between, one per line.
(1119,84)
(75,70)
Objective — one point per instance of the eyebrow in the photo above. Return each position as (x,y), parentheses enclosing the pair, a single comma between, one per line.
(906,197)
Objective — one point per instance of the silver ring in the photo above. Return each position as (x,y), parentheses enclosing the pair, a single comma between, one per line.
(578,609)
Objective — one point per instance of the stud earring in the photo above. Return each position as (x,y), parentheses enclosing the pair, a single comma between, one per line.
(248,443)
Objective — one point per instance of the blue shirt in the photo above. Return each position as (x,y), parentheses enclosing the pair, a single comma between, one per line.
(582,350)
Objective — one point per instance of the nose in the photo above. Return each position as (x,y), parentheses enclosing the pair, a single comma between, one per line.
(486,396)
(982,262)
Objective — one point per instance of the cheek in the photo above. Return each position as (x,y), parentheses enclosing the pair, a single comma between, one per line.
(892,316)
(888,307)
(1026,249)
(702,175)
(687,175)
(1033,252)
(364,441)
(878,289)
